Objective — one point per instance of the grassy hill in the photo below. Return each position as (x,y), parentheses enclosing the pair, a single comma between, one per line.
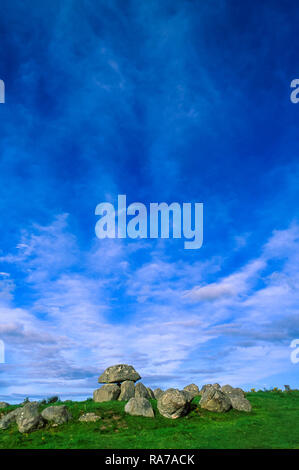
(273,423)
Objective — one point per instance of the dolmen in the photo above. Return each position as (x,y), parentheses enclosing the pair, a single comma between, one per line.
(119,384)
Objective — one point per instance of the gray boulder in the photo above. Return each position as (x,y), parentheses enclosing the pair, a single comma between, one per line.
(173,404)
(127,390)
(57,414)
(229,390)
(141,391)
(151,393)
(9,418)
(29,419)
(89,418)
(139,406)
(216,386)
(3,404)
(213,399)
(158,392)
(237,398)
(189,395)
(192,389)
(240,403)
(204,388)
(106,393)
(118,374)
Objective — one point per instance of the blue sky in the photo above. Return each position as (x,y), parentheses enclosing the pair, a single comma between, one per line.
(162,101)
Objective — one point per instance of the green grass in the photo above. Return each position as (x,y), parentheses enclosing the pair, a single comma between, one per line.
(273,423)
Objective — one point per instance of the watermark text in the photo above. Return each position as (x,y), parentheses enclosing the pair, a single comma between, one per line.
(295,354)
(2,92)
(164,221)
(294,97)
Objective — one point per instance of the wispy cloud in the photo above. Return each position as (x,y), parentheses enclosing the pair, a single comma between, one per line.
(68,334)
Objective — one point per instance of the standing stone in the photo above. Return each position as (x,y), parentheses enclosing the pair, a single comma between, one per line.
(57,414)
(158,392)
(151,393)
(139,406)
(213,399)
(173,404)
(141,391)
(127,390)
(192,389)
(118,374)
(106,393)
(29,419)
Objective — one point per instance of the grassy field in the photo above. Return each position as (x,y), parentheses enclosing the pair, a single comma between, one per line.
(273,423)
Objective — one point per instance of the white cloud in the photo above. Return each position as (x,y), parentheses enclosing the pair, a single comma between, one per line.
(73,328)
(231,286)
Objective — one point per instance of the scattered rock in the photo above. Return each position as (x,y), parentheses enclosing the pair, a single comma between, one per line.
(29,419)
(139,406)
(118,374)
(237,398)
(3,404)
(141,391)
(216,386)
(240,403)
(9,418)
(189,395)
(229,390)
(151,393)
(173,404)
(127,390)
(89,418)
(204,388)
(106,393)
(57,414)
(193,389)
(213,399)
(158,392)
